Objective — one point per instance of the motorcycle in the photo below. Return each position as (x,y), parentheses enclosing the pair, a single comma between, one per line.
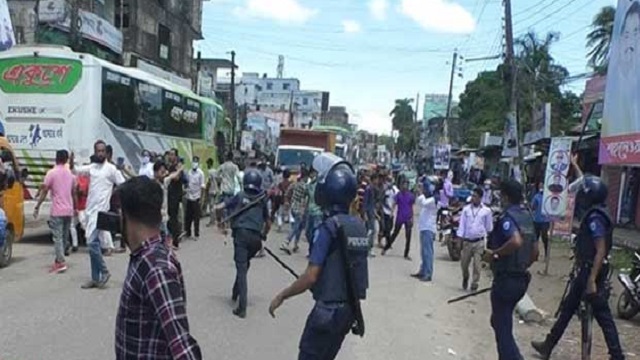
(448,227)
(629,300)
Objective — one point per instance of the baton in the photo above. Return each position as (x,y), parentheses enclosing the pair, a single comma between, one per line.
(245,208)
(279,261)
(476,293)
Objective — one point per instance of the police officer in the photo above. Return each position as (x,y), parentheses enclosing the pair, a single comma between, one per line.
(512,249)
(593,243)
(248,230)
(327,274)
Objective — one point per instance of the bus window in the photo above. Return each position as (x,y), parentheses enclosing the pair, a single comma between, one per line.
(149,101)
(119,99)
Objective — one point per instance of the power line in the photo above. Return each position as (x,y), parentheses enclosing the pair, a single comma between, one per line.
(550,15)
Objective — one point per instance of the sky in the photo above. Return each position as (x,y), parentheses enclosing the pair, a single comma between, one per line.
(367,53)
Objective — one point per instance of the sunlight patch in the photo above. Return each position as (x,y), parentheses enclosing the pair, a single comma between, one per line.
(439,15)
(284,11)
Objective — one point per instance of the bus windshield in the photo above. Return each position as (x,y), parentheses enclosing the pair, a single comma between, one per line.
(292,158)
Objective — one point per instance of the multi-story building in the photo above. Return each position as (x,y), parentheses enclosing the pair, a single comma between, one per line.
(154,35)
(337,115)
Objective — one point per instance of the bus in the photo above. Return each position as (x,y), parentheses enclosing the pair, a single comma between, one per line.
(52,98)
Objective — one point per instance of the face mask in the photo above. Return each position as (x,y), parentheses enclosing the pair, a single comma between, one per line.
(487,187)
(145,160)
(194,165)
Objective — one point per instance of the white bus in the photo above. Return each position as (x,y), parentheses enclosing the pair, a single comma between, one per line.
(52,98)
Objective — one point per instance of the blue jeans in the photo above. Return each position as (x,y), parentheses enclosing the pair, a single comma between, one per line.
(426,244)
(325,330)
(296,228)
(98,266)
(60,230)
(506,292)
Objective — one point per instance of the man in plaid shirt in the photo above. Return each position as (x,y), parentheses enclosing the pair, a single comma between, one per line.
(152,319)
(298,197)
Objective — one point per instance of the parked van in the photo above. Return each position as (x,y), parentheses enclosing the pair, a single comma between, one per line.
(11,200)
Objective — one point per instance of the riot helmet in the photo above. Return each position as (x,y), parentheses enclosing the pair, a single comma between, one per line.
(432,184)
(593,191)
(252,181)
(336,186)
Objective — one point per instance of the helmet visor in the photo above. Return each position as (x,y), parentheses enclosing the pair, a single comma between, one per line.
(326,161)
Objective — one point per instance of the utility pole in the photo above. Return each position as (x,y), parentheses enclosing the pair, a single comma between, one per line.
(453,73)
(511,78)
(232,99)
(74,25)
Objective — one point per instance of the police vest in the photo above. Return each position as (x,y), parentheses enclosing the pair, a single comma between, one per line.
(332,284)
(518,261)
(252,218)
(585,248)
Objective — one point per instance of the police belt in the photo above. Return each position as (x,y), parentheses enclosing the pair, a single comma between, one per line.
(333,303)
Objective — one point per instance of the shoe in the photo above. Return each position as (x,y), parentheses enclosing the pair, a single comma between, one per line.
(416,276)
(542,349)
(58,268)
(105,279)
(426,279)
(474,287)
(196,238)
(285,249)
(89,285)
(465,283)
(67,251)
(240,313)
(295,249)
(74,249)
(384,252)
(107,252)
(408,258)
(260,254)
(372,254)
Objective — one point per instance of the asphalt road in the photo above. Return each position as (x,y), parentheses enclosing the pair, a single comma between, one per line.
(45,316)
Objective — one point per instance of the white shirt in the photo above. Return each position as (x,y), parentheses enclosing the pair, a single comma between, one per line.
(475,222)
(428,213)
(195,184)
(146,170)
(102,178)
(389,198)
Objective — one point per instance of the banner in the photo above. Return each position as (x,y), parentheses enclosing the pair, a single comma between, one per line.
(441,157)
(7,38)
(246,141)
(620,137)
(510,136)
(555,197)
(541,128)
(564,226)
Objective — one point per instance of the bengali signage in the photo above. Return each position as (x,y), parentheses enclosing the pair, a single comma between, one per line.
(39,75)
(620,137)
(37,135)
(94,28)
(556,184)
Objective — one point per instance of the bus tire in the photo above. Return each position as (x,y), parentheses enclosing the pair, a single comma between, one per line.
(7,249)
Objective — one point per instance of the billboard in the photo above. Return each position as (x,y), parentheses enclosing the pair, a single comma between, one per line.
(555,199)
(441,157)
(510,136)
(621,119)
(541,127)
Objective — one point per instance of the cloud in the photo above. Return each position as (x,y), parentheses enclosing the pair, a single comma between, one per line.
(284,11)
(351,26)
(378,9)
(442,16)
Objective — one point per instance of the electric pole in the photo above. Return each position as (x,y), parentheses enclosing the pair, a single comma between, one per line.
(75,25)
(453,73)
(511,79)
(232,99)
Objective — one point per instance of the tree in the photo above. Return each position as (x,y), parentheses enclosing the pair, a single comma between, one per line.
(402,120)
(599,38)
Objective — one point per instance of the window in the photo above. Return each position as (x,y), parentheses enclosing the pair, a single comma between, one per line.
(121,20)
(269,86)
(164,42)
(118,99)
(305,101)
(286,86)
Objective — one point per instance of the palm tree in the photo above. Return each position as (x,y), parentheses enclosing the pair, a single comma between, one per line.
(402,120)
(599,39)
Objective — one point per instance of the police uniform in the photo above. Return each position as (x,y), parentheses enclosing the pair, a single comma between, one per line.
(247,235)
(332,316)
(596,226)
(510,276)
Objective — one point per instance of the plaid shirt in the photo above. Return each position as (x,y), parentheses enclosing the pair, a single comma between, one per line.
(299,195)
(152,318)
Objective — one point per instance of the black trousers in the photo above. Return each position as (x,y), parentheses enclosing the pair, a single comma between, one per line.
(246,244)
(542,230)
(173,225)
(386,226)
(192,216)
(407,232)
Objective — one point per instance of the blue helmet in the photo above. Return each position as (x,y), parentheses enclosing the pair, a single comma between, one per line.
(252,182)
(593,191)
(431,185)
(337,185)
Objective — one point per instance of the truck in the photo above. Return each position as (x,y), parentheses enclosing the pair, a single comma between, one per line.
(299,146)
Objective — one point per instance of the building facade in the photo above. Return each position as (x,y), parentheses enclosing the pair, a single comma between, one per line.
(337,115)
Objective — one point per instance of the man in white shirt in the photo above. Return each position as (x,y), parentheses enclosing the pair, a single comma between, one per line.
(428,206)
(212,190)
(146,169)
(476,222)
(390,191)
(196,185)
(103,177)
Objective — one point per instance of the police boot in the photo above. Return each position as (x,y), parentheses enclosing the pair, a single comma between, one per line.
(543,348)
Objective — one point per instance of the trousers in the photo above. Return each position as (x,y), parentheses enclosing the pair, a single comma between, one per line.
(472,254)
(327,326)
(506,292)
(246,244)
(601,311)
(60,226)
(192,216)
(407,233)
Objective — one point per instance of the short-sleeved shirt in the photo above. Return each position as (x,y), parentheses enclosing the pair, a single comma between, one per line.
(536,205)
(321,246)
(195,184)
(404,201)
(213,181)
(597,226)
(228,173)
(60,181)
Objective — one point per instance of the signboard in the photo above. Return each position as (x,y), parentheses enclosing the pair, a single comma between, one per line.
(510,137)
(96,29)
(39,75)
(246,142)
(441,157)
(541,128)
(7,38)
(51,10)
(556,194)
(37,135)
(620,137)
